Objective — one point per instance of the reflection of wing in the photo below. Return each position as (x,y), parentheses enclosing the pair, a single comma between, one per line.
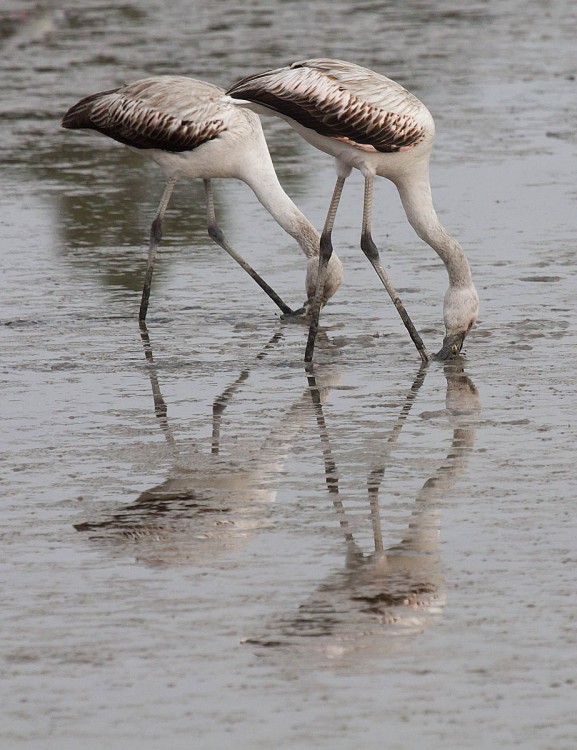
(198,514)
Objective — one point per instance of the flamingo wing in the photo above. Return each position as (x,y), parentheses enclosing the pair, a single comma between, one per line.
(139,115)
(371,112)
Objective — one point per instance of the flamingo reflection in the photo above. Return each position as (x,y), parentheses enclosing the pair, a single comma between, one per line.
(380,599)
(211,503)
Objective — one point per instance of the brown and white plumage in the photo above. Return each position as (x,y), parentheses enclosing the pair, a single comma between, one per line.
(371,123)
(335,99)
(155,113)
(191,130)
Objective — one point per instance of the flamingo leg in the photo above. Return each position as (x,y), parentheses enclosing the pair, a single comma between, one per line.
(325,252)
(371,251)
(155,237)
(217,236)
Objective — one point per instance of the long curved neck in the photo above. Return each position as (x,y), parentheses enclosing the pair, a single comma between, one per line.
(415,192)
(261,177)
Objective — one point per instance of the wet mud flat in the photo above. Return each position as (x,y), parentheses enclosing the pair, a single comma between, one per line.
(206,544)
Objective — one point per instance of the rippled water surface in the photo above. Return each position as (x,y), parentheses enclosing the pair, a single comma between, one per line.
(206,546)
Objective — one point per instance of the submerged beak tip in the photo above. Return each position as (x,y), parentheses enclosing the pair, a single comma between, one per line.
(452,346)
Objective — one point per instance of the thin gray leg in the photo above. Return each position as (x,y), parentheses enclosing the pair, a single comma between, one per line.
(326,250)
(155,237)
(370,250)
(216,234)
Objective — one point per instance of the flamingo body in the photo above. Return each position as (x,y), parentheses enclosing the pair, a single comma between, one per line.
(369,122)
(191,130)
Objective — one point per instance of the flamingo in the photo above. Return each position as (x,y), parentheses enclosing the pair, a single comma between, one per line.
(191,130)
(370,123)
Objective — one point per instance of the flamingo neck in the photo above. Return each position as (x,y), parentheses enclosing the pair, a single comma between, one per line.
(418,204)
(263,181)
(268,190)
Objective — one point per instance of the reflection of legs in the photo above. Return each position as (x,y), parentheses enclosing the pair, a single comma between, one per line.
(331,471)
(326,250)
(370,250)
(160,408)
(216,234)
(221,402)
(377,473)
(155,237)
(374,484)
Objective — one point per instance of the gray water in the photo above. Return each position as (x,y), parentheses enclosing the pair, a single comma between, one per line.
(205,546)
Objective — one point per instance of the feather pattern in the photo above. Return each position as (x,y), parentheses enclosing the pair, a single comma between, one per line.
(171,113)
(342,101)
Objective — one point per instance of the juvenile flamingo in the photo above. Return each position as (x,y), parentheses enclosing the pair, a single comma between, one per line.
(192,130)
(370,123)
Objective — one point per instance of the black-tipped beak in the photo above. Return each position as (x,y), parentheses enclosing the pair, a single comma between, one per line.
(452,345)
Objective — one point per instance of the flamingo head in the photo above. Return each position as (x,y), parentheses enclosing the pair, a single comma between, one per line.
(333,279)
(460,312)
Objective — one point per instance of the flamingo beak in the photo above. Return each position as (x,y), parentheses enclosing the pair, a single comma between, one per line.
(452,345)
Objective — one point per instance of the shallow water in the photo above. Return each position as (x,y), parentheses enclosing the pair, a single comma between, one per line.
(206,546)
